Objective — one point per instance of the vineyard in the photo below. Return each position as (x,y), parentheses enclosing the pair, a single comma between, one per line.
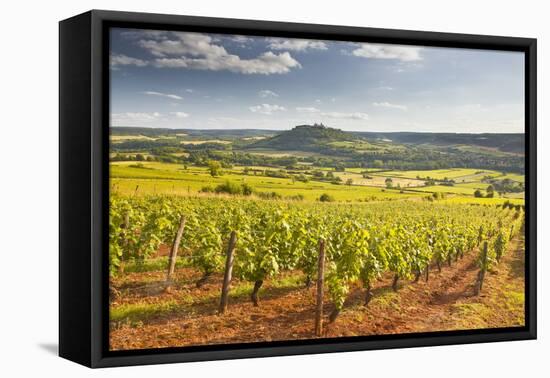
(334,245)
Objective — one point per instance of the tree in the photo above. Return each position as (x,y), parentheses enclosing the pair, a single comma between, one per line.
(318,174)
(326,198)
(478,194)
(140,157)
(389,183)
(301,177)
(215,168)
(247,189)
(349,181)
(490,191)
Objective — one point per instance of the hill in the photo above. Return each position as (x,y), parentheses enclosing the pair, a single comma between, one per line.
(514,143)
(191,134)
(313,136)
(305,138)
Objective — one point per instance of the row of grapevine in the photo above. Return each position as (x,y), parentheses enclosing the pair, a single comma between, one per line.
(496,238)
(363,241)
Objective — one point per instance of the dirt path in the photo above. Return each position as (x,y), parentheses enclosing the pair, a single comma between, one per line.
(187,314)
(500,304)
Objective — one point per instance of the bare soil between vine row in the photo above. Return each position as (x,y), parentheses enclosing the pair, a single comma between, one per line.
(187,315)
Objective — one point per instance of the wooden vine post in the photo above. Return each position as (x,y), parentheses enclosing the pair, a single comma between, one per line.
(174,250)
(125,226)
(320,282)
(481,273)
(228,271)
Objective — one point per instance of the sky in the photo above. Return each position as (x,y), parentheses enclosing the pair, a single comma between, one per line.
(218,81)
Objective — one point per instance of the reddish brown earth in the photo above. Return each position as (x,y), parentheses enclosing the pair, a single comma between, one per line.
(187,315)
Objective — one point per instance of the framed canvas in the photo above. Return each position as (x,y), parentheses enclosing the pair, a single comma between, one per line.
(235,188)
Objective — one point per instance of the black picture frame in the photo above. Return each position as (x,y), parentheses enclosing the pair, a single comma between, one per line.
(84,189)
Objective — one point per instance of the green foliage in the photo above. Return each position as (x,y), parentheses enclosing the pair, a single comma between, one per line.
(304,138)
(326,198)
(438,195)
(363,241)
(338,149)
(269,195)
(230,187)
(215,168)
(500,243)
(138,165)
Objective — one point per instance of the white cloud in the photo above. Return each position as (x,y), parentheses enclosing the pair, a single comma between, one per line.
(132,119)
(194,44)
(180,114)
(354,116)
(295,44)
(198,51)
(148,119)
(266,109)
(266,64)
(385,88)
(317,101)
(124,60)
(267,93)
(136,34)
(189,90)
(224,119)
(167,95)
(380,51)
(309,109)
(241,39)
(389,105)
(334,115)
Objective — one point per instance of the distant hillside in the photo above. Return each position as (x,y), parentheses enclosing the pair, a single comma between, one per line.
(504,142)
(192,133)
(311,137)
(304,138)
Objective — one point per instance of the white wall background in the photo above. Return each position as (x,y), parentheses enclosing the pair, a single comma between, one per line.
(29,186)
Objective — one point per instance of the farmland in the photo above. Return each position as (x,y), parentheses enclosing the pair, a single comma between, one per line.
(146,316)
(171,178)
(372,269)
(406,250)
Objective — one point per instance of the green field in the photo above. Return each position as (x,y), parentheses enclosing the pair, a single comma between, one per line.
(166,178)
(385,216)
(446,189)
(161,178)
(457,174)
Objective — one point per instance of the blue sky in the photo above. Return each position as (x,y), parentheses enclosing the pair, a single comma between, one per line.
(214,81)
